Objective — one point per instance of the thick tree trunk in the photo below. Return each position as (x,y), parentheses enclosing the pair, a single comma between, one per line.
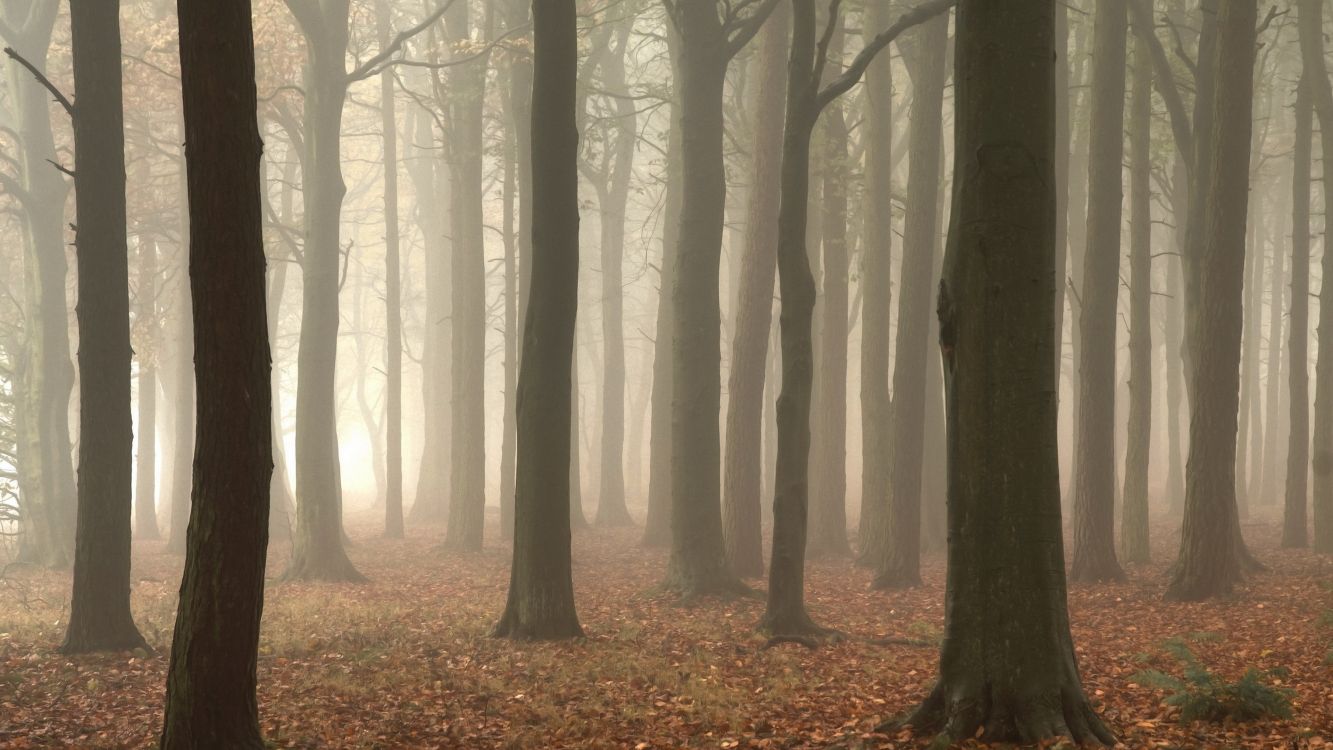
(145,491)
(99,617)
(1094,479)
(393,294)
(901,566)
(877,302)
(211,681)
(1134,518)
(1295,507)
(741,504)
(318,553)
(1007,669)
(464,146)
(1315,75)
(541,588)
(1210,561)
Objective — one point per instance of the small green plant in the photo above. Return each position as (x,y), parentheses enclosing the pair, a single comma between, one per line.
(924,631)
(1203,696)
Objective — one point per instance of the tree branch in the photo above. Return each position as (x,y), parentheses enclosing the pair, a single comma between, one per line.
(747,28)
(368,68)
(42,79)
(852,75)
(1164,79)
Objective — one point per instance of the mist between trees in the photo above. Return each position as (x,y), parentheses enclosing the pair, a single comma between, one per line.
(1004,305)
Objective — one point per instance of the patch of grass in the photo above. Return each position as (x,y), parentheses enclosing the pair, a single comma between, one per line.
(925,631)
(1203,696)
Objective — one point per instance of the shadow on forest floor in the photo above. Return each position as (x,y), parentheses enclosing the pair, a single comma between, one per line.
(405,660)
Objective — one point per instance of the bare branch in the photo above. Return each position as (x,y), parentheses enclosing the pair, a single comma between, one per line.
(849,77)
(42,79)
(368,68)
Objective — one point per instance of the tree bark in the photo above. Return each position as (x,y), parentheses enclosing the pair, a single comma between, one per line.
(1210,562)
(1134,519)
(541,588)
(1296,505)
(901,566)
(145,491)
(741,504)
(1094,479)
(1007,668)
(99,618)
(393,294)
(211,680)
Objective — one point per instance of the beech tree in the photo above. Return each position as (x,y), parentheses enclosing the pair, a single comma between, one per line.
(211,699)
(1007,666)
(1295,509)
(99,616)
(541,587)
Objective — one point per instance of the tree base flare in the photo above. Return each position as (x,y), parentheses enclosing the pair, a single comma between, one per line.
(334,569)
(992,714)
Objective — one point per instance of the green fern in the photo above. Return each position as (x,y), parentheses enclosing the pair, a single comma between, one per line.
(1203,696)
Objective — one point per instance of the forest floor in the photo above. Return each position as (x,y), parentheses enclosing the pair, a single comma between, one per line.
(405,660)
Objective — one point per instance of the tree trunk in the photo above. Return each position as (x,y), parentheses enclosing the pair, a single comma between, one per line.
(1311,26)
(1174,341)
(464,146)
(1007,669)
(99,618)
(1210,560)
(145,491)
(901,566)
(1134,519)
(183,404)
(541,588)
(577,520)
(318,553)
(211,681)
(1294,516)
(1094,480)
(741,504)
(1277,283)
(393,451)
(877,301)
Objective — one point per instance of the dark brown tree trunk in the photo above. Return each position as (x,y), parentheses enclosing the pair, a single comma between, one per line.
(1134,517)
(741,504)
(1296,505)
(1210,562)
(901,566)
(464,146)
(99,617)
(393,344)
(211,698)
(1315,75)
(1007,669)
(541,588)
(145,491)
(1094,479)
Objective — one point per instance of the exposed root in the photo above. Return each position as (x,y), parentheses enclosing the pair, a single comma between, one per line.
(959,713)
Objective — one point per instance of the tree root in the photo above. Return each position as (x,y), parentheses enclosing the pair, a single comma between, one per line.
(961,712)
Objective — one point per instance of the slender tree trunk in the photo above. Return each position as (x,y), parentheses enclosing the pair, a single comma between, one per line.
(1094,480)
(901,567)
(541,588)
(1295,507)
(1007,668)
(1310,26)
(1173,334)
(1134,519)
(741,504)
(1210,561)
(1277,283)
(182,410)
(99,617)
(211,681)
(145,492)
(577,519)
(393,451)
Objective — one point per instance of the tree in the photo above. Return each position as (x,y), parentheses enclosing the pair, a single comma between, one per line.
(709,35)
(211,698)
(541,587)
(1134,520)
(1295,507)
(806,99)
(145,491)
(1315,76)
(393,453)
(99,618)
(743,467)
(1208,564)
(1007,668)
(901,564)
(1094,479)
